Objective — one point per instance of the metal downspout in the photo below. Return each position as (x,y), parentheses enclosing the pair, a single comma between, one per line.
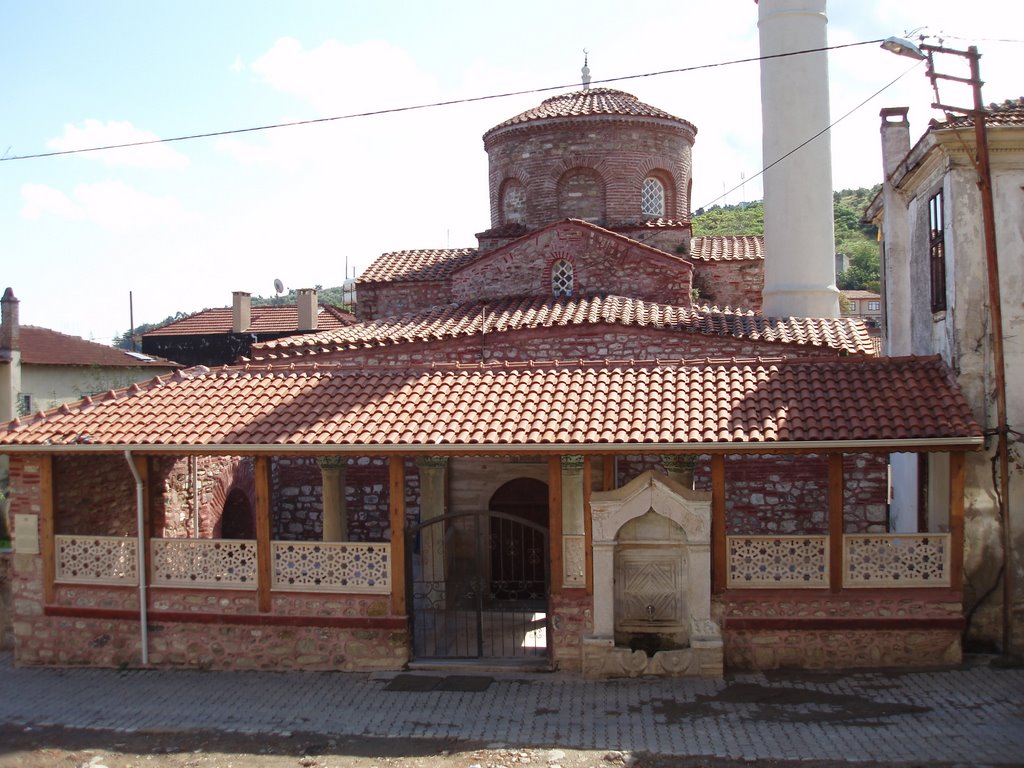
(141,546)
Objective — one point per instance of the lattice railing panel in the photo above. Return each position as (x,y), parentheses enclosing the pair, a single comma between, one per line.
(777,561)
(204,563)
(334,566)
(97,559)
(896,560)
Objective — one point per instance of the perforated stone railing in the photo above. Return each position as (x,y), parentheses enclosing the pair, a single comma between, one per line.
(331,566)
(97,560)
(896,560)
(223,563)
(777,561)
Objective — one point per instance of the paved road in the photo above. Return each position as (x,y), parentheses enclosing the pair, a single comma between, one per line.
(973,715)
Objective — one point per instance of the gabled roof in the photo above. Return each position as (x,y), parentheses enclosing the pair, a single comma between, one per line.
(270,319)
(727,248)
(515,314)
(1008,113)
(41,346)
(423,265)
(727,405)
(590,102)
(858,295)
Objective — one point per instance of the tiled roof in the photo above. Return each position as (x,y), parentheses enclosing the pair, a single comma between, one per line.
(590,102)
(657,223)
(727,247)
(271,319)
(1009,113)
(41,346)
(857,295)
(515,314)
(527,407)
(420,265)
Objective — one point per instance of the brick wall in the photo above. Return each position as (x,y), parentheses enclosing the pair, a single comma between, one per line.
(601,264)
(618,151)
(730,283)
(94,495)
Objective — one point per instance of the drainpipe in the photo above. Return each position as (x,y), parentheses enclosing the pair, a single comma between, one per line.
(140,524)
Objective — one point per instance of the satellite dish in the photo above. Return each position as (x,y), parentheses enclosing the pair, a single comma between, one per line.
(278,286)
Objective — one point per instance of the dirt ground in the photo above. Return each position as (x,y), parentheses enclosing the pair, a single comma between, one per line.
(56,747)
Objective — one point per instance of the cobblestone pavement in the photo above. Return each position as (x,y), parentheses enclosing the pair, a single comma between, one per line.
(973,715)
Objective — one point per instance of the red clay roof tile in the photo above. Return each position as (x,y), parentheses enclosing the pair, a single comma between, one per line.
(727,248)
(41,346)
(516,314)
(706,404)
(270,319)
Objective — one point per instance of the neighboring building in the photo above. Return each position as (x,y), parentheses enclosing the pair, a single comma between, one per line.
(222,336)
(936,302)
(865,304)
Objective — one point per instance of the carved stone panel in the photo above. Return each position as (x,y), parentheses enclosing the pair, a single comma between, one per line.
(650,591)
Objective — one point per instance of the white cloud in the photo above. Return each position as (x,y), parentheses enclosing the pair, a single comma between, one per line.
(94,133)
(113,205)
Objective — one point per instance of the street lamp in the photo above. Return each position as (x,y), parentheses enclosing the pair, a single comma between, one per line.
(977,113)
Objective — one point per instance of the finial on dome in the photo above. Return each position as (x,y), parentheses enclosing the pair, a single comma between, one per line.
(585,71)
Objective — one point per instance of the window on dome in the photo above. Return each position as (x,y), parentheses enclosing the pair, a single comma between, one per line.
(652,198)
(561,278)
(513,203)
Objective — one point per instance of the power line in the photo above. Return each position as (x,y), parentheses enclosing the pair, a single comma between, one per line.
(827,128)
(431,105)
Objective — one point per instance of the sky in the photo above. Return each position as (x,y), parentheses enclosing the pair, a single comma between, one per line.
(89,240)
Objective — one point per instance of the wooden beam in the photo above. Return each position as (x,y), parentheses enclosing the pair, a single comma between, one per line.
(46,527)
(719,552)
(396,505)
(835,521)
(588,524)
(608,467)
(555,522)
(264,564)
(956,520)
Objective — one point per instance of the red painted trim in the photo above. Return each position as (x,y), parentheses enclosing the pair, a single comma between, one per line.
(929,595)
(796,623)
(249,619)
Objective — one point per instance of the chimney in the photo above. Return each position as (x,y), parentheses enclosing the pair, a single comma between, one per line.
(896,271)
(799,234)
(241,311)
(307,305)
(10,330)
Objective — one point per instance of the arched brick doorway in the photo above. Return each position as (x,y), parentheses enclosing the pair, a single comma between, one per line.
(237,521)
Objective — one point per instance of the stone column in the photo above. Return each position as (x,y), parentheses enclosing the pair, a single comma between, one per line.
(332,472)
(574,562)
(433,501)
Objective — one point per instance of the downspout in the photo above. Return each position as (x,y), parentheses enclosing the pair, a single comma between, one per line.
(141,563)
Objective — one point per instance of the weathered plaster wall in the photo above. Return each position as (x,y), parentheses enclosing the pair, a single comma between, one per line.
(51,385)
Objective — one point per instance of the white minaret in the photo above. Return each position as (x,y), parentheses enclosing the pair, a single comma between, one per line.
(799,266)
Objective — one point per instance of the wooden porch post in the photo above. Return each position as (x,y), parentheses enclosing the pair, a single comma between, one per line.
(396,505)
(956,520)
(555,522)
(719,552)
(608,472)
(46,526)
(835,521)
(588,523)
(264,565)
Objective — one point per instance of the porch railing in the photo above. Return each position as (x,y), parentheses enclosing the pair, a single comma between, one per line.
(869,561)
(97,560)
(777,561)
(353,567)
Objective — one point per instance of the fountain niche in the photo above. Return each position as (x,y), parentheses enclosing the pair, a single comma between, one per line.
(652,582)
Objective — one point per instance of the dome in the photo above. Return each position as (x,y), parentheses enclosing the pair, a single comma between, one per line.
(591,102)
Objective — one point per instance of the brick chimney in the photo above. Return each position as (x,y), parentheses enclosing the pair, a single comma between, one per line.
(241,311)
(896,278)
(307,305)
(10,330)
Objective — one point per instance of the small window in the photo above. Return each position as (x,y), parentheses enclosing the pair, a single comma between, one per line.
(561,278)
(652,197)
(24,404)
(937,252)
(874,306)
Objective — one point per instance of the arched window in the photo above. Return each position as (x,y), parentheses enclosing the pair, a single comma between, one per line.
(513,203)
(561,278)
(652,197)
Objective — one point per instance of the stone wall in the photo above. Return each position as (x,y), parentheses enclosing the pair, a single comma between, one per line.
(94,495)
(6,606)
(729,283)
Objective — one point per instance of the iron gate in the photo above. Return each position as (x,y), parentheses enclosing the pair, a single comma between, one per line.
(477,584)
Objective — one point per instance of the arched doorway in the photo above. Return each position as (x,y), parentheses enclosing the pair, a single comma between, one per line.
(478,581)
(237,521)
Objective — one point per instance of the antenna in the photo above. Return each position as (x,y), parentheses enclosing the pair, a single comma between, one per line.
(278,285)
